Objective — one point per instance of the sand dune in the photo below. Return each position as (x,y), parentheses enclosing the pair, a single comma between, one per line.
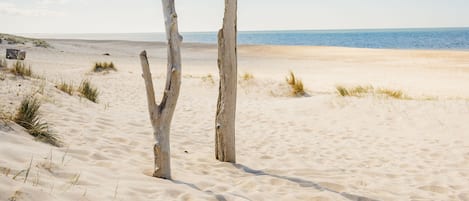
(322,147)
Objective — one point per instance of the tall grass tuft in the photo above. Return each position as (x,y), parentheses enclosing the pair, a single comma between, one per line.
(103,66)
(20,69)
(296,85)
(3,63)
(28,117)
(88,91)
(65,87)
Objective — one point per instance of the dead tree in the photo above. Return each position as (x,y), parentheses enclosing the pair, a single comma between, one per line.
(227,65)
(162,114)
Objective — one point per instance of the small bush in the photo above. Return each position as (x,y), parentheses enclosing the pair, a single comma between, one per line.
(296,85)
(65,87)
(41,43)
(103,66)
(20,69)
(88,91)
(28,117)
(3,63)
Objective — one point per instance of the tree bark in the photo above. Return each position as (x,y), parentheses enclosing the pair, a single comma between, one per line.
(227,65)
(162,114)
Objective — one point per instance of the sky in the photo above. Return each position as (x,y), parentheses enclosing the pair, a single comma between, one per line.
(134,16)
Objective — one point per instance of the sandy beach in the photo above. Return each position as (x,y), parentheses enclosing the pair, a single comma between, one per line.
(320,147)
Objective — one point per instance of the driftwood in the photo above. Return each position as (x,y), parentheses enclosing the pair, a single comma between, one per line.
(227,64)
(162,114)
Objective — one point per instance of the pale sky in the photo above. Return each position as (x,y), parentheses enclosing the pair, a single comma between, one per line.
(132,16)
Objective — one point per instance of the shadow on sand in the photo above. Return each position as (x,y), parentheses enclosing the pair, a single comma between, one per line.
(301,182)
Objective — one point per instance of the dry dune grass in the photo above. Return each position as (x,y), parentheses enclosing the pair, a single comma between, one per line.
(208,79)
(247,76)
(296,85)
(28,117)
(20,69)
(103,66)
(359,91)
(65,87)
(3,63)
(88,91)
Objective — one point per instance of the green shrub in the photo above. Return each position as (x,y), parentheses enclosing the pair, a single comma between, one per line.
(88,91)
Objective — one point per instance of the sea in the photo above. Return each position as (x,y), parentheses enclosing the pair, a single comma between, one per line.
(421,38)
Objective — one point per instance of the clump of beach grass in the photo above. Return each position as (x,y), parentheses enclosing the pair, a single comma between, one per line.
(88,91)
(41,43)
(296,85)
(3,63)
(209,79)
(28,117)
(65,87)
(359,91)
(103,66)
(397,94)
(20,69)
(354,91)
(247,76)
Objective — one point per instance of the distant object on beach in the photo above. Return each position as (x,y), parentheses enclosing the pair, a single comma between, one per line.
(16,54)
(107,54)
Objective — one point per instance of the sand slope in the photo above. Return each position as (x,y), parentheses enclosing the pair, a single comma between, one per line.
(322,147)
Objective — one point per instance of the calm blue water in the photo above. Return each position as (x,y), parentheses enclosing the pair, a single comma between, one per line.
(436,38)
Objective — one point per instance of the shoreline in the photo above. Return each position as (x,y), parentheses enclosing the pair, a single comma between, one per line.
(212,45)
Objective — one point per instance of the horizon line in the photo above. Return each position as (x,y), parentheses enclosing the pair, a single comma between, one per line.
(266,30)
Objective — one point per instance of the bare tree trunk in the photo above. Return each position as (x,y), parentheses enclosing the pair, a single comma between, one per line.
(162,114)
(227,64)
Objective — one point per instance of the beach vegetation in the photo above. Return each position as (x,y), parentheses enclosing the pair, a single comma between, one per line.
(41,43)
(65,87)
(13,40)
(359,91)
(247,76)
(20,69)
(354,91)
(392,93)
(3,63)
(88,91)
(208,79)
(103,66)
(296,85)
(28,117)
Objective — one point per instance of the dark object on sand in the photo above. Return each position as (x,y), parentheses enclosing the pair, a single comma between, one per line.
(16,54)
(107,54)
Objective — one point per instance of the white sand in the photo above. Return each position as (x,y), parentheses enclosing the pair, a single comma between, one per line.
(322,147)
